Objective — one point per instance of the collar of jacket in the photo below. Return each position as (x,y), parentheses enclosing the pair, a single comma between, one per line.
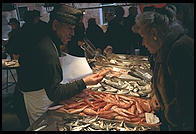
(174,34)
(56,40)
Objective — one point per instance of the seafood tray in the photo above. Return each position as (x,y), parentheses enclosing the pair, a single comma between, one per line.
(132,78)
(57,121)
(126,61)
(50,120)
(119,81)
(108,106)
(9,63)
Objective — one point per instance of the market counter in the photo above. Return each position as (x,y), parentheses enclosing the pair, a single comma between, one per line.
(127,89)
(57,121)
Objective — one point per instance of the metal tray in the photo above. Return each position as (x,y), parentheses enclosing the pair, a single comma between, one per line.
(51,120)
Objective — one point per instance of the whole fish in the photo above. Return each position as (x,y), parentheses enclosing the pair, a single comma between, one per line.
(89,111)
(145,106)
(132,109)
(107,107)
(74,111)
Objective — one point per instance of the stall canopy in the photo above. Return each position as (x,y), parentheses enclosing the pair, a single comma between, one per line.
(155,5)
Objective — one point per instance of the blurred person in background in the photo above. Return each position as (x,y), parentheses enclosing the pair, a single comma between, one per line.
(10,46)
(95,34)
(116,35)
(185,17)
(73,46)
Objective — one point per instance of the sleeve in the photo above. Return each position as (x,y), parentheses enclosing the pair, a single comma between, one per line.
(53,76)
(13,43)
(108,34)
(181,70)
(60,92)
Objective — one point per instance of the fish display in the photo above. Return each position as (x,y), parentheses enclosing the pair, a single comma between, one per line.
(133,80)
(109,106)
(126,61)
(97,124)
(116,85)
(118,103)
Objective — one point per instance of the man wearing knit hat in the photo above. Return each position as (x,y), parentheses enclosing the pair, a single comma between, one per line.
(41,87)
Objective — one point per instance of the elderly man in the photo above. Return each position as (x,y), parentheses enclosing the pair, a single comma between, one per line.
(41,86)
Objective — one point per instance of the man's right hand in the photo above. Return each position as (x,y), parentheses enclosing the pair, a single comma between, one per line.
(15,56)
(93,79)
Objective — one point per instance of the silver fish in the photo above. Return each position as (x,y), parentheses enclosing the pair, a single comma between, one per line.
(101,89)
(133,94)
(95,125)
(79,128)
(94,119)
(94,88)
(143,128)
(75,123)
(42,127)
(110,89)
(141,83)
(102,125)
(148,89)
(135,90)
(130,87)
(91,129)
(123,91)
(142,94)
(121,124)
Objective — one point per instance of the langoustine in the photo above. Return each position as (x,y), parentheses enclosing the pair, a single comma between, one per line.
(110,106)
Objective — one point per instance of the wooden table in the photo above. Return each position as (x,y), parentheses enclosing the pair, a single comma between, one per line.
(9,65)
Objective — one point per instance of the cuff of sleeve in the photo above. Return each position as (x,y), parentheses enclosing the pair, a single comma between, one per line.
(81,84)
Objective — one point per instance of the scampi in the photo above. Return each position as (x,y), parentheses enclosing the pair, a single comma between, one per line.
(110,106)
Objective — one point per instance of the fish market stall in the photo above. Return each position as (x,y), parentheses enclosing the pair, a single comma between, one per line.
(57,121)
(120,102)
(130,75)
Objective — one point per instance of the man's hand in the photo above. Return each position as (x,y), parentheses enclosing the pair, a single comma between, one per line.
(107,50)
(15,56)
(105,71)
(93,79)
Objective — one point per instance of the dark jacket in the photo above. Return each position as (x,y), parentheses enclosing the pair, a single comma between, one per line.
(173,80)
(40,68)
(96,35)
(72,46)
(10,46)
(134,39)
(117,36)
(28,37)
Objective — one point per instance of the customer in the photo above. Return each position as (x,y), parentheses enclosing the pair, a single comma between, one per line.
(73,46)
(15,25)
(95,34)
(40,70)
(33,26)
(185,17)
(116,34)
(133,38)
(173,74)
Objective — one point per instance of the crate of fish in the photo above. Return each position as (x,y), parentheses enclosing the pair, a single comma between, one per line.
(118,81)
(88,123)
(57,121)
(133,81)
(133,110)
